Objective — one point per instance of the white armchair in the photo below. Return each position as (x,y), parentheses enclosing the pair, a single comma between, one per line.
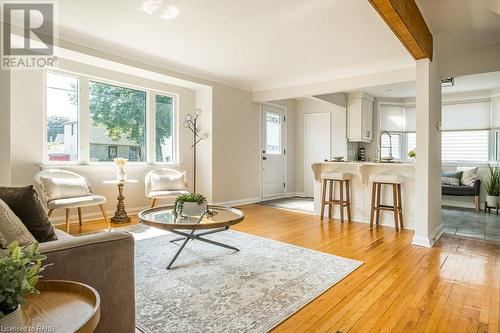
(164,183)
(62,189)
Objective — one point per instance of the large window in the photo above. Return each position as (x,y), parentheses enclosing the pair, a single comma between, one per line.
(114,118)
(62,117)
(465,146)
(117,118)
(164,120)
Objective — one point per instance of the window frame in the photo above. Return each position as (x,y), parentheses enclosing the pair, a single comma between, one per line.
(175,127)
(83,127)
(45,118)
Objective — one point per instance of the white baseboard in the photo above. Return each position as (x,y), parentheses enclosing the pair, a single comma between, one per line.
(239,202)
(61,220)
(431,240)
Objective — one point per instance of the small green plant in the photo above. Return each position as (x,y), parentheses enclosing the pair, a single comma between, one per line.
(412,153)
(19,273)
(492,184)
(188,197)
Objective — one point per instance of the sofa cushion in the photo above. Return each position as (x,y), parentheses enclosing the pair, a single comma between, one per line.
(62,188)
(24,202)
(451,177)
(12,229)
(168,182)
(469,175)
(461,190)
(89,200)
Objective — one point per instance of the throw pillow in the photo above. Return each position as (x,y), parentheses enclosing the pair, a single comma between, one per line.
(469,175)
(62,188)
(451,177)
(24,202)
(168,182)
(12,228)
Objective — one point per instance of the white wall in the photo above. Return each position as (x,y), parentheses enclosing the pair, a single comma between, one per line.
(229,162)
(338,126)
(4,127)
(27,133)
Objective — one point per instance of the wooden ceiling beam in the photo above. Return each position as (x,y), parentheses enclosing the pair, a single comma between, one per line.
(406,21)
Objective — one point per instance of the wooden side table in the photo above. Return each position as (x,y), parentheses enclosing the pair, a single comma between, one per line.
(62,306)
(120,213)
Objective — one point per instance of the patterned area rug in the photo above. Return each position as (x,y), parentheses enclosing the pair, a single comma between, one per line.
(212,289)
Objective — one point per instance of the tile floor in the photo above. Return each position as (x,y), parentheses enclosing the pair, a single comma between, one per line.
(471,224)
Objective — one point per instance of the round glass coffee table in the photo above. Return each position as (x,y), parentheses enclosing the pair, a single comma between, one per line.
(219,219)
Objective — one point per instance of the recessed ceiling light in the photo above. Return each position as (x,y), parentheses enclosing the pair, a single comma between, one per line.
(170,13)
(389,90)
(150,6)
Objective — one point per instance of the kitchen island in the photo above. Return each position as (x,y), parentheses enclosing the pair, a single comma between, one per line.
(361,189)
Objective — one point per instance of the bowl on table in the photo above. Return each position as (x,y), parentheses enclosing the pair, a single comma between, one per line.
(337,158)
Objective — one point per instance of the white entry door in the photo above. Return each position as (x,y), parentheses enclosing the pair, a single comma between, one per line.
(317,141)
(273,151)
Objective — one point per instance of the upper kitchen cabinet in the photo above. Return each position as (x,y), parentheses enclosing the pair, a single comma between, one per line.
(359,117)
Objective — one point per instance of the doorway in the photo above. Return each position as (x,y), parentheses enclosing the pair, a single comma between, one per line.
(273,175)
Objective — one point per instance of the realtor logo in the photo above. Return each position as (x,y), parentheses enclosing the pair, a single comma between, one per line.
(28,35)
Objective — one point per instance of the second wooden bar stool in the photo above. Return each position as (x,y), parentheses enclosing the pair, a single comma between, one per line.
(397,208)
(329,178)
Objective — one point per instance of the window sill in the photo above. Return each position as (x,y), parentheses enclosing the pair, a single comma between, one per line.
(108,165)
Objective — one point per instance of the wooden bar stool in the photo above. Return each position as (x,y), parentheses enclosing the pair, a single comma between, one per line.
(329,178)
(397,208)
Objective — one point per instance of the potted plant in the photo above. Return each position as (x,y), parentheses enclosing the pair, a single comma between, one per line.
(412,153)
(492,186)
(190,204)
(19,273)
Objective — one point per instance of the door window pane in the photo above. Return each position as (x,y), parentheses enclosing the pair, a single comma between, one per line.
(62,118)
(273,133)
(117,122)
(164,115)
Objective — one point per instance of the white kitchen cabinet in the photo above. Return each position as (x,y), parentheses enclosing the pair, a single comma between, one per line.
(359,117)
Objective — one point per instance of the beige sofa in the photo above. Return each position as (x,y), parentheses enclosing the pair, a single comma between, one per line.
(104,261)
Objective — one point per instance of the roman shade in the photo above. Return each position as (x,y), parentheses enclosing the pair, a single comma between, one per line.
(392,118)
(466,116)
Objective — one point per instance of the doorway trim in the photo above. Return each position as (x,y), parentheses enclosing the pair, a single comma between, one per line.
(285,147)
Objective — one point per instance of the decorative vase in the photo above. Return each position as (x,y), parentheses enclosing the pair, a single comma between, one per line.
(121,175)
(13,320)
(193,208)
(491,200)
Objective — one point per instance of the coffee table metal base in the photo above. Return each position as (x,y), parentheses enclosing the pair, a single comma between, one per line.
(185,236)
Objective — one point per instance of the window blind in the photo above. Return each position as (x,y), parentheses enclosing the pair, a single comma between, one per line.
(469,146)
(466,116)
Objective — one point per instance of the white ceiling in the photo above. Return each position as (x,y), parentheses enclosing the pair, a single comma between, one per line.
(475,82)
(252,44)
(462,24)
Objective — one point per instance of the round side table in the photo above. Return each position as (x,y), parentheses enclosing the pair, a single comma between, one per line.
(120,213)
(62,306)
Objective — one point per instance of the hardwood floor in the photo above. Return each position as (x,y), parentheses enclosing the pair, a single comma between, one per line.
(453,287)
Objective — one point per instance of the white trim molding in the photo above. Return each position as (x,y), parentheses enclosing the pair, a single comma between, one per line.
(431,240)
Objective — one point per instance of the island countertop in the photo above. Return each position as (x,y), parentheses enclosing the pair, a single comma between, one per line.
(361,189)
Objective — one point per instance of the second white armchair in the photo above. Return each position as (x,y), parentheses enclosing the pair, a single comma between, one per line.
(165,184)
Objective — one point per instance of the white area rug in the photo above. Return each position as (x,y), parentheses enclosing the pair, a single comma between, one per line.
(212,289)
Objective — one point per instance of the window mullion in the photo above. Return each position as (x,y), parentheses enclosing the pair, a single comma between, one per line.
(84,140)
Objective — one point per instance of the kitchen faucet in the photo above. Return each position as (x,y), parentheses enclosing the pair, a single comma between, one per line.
(380,145)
